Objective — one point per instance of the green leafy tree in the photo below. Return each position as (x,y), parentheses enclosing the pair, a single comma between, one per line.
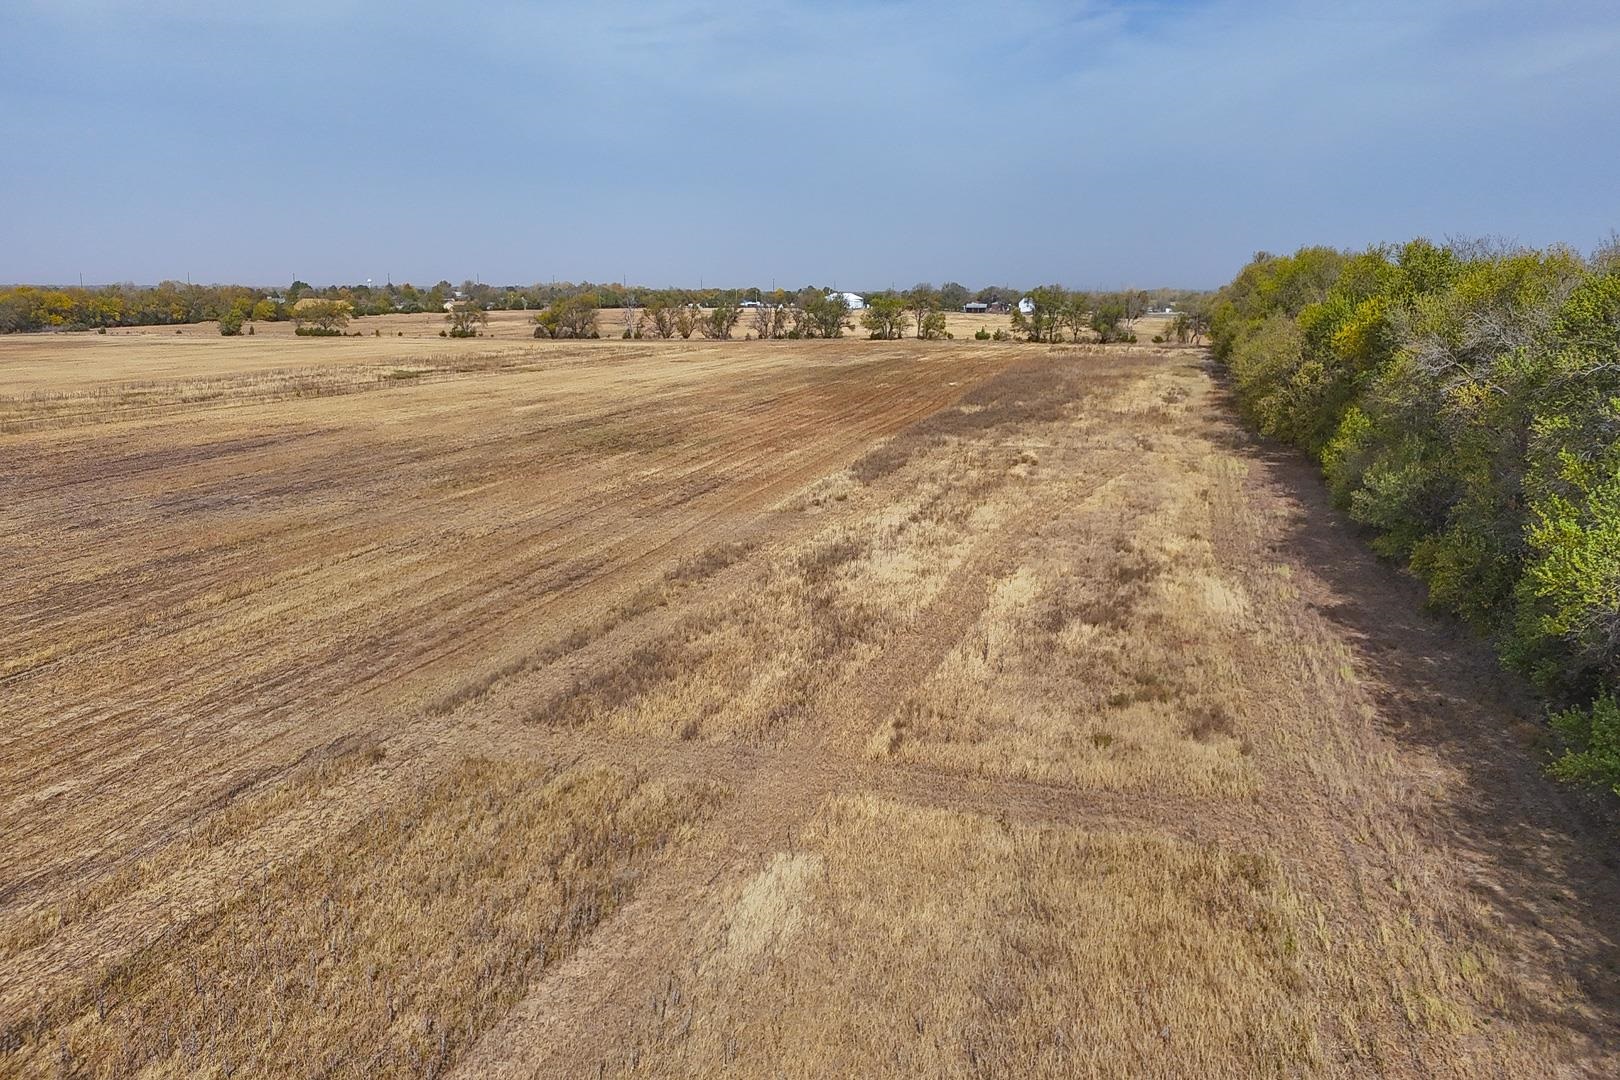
(771,317)
(1044,319)
(687,318)
(1464,400)
(1075,316)
(1572,582)
(885,317)
(721,319)
(1592,745)
(923,302)
(1190,327)
(661,316)
(568,317)
(466,319)
(1108,320)
(320,318)
(825,315)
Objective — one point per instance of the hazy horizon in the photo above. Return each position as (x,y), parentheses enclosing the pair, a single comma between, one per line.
(1099,145)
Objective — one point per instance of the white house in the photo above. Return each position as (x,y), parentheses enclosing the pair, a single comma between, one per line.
(855,301)
(1026,306)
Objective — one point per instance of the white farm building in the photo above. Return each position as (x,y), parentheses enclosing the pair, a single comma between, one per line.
(855,301)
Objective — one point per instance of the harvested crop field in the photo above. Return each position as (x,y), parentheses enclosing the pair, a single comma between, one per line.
(382,707)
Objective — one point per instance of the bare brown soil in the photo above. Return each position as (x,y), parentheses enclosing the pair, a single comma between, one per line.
(803,709)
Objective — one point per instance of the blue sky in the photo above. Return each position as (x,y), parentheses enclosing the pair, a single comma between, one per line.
(1097,144)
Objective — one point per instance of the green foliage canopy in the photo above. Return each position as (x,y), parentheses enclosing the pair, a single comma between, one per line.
(1464,401)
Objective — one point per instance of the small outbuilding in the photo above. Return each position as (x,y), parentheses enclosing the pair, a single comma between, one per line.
(975,307)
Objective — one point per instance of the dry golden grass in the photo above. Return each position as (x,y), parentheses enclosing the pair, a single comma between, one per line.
(901,942)
(808,709)
(238,815)
(386,950)
(257,577)
(755,662)
(1108,659)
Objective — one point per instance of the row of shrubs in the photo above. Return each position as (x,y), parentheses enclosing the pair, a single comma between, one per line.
(1464,402)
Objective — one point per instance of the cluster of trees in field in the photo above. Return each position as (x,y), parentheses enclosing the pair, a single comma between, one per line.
(1056,314)
(1464,401)
(675,313)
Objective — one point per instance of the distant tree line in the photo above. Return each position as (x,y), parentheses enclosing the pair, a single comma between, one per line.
(28,307)
(1464,401)
(800,313)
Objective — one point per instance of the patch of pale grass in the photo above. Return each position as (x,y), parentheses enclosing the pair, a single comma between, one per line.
(770,911)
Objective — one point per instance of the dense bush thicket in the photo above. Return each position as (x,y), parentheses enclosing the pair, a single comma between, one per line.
(1464,401)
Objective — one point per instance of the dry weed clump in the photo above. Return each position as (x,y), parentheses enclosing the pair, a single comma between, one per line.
(389,948)
(907,942)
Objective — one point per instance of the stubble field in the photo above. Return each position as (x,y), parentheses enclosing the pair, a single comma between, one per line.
(393,706)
